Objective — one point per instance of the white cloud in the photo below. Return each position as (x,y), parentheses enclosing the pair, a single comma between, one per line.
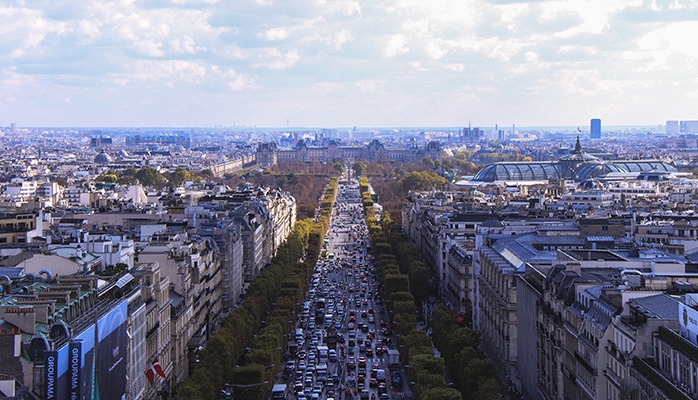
(233,80)
(455,67)
(371,85)
(188,71)
(418,66)
(273,58)
(396,44)
(275,34)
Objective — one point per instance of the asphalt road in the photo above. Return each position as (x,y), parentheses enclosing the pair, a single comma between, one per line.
(345,283)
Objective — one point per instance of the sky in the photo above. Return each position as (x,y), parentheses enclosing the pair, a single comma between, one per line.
(344,63)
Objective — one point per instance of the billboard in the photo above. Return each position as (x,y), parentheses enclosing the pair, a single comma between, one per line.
(75,370)
(110,367)
(93,365)
(51,375)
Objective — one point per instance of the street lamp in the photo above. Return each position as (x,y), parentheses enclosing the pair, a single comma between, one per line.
(244,388)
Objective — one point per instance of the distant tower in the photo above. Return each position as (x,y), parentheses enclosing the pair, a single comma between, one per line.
(672,127)
(13,127)
(471,135)
(596,128)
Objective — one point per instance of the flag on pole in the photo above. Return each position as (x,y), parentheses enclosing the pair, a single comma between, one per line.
(579,130)
(155,368)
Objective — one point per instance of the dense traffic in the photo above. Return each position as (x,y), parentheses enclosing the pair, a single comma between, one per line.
(342,347)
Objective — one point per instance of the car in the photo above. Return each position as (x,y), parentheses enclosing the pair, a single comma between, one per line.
(351,363)
(364,395)
(369,352)
(396,379)
(373,382)
(371,320)
(382,388)
(290,366)
(317,388)
(362,362)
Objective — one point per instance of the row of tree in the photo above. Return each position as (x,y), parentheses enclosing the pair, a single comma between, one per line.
(147,176)
(399,265)
(473,374)
(305,187)
(247,349)
(394,269)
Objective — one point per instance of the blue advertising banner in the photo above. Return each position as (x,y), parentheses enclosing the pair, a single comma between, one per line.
(87,348)
(51,375)
(74,369)
(110,364)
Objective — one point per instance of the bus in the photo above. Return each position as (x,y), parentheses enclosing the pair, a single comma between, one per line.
(278,392)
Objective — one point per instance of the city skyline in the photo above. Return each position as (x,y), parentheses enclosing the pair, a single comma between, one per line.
(347,63)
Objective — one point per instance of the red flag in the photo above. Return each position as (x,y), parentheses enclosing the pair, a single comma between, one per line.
(578,130)
(155,368)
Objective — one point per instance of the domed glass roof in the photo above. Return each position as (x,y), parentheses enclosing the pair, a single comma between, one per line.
(588,169)
(644,165)
(518,171)
(594,170)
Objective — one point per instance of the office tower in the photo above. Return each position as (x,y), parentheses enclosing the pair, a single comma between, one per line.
(596,128)
(688,126)
(672,127)
(13,128)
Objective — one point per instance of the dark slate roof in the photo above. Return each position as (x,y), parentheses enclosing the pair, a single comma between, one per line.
(492,223)
(660,306)
(12,272)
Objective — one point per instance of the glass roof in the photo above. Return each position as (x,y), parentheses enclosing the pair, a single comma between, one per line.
(589,171)
(518,171)
(542,171)
(644,165)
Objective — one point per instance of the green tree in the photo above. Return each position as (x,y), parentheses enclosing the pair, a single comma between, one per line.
(179,176)
(339,167)
(437,393)
(207,172)
(109,177)
(419,276)
(150,177)
(488,389)
(359,168)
